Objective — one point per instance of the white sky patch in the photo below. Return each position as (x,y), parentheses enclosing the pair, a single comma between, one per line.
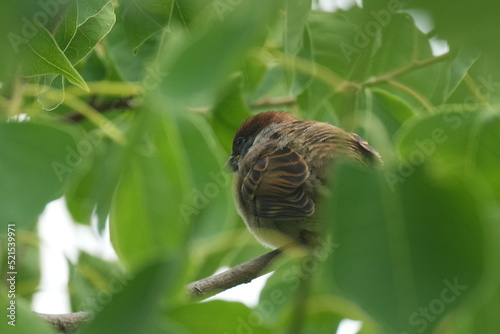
(424,23)
(247,294)
(439,46)
(348,326)
(333,5)
(61,239)
(57,238)
(422,20)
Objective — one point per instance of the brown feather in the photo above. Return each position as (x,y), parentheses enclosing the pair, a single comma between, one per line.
(282,163)
(274,187)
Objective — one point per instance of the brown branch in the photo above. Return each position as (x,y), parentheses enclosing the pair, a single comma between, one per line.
(65,323)
(121,103)
(271,102)
(204,288)
(242,273)
(405,69)
(264,102)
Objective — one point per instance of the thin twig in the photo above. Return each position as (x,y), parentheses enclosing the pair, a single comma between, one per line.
(277,101)
(427,104)
(121,103)
(405,69)
(242,273)
(264,102)
(473,87)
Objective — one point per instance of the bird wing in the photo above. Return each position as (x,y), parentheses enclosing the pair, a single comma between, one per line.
(274,186)
(369,154)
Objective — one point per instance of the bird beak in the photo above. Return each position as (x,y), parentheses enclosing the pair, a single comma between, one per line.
(232,163)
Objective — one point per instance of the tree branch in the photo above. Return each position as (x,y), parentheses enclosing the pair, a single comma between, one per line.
(65,323)
(121,103)
(242,273)
(277,101)
(203,288)
(405,69)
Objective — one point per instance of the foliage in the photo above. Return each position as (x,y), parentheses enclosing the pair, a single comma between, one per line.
(163,85)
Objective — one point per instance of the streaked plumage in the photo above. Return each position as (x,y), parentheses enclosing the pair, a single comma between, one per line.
(281,165)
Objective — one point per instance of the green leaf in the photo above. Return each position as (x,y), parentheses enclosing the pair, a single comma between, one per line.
(48,83)
(38,160)
(405,248)
(218,317)
(41,55)
(333,37)
(466,138)
(92,276)
(68,27)
(228,113)
(210,199)
(141,19)
(402,43)
(134,65)
(391,110)
(91,189)
(133,308)
(26,321)
(147,218)
(481,31)
(296,13)
(89,33)
(89,8)
(199,68)
(435,81)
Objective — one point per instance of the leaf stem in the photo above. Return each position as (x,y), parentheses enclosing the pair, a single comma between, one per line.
(405,69)
(427,104)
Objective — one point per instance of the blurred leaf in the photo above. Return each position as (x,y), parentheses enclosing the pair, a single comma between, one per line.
(218,317)
(133,309)
(38,160)
(26,321)
(147,221)
(68,27)
(88,9)
(404,248)
(228,113)
(466,138)
(48,83)
(91,190)
(210,198)
(89,33)
(93,281)
(28,264)
(472,23)
(242,28)
(252,71)
(134,65)
(400,30)
(143,18)
(390,109)
(10,28)
(296,13)
(41,55)
(462,144)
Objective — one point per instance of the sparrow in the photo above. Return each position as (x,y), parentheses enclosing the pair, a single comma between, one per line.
(282,166)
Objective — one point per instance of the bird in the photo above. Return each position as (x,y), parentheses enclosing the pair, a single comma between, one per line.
(282,166)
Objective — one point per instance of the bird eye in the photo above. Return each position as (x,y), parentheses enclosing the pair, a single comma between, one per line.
(239,141)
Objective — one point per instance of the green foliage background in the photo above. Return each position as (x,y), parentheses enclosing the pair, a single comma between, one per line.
(162,85)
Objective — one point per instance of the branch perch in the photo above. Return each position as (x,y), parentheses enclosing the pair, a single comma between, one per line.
(65,323)
(203,288)
(122,103)
(242,273)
